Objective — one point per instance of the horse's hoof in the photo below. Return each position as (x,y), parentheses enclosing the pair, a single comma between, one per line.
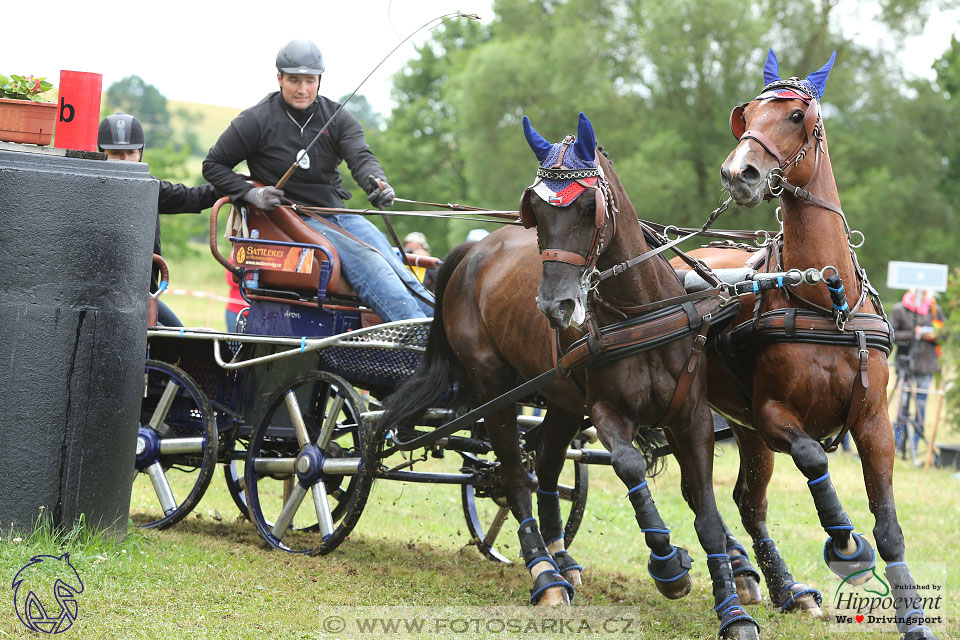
(551,590)
(573,577)
(808,605)
(671,573)
(741,631)
(736,624)
(748,590)
(568,567)
(746,575)
(855,568)
(676,589)
(920,633)
(554,597)
(799,597)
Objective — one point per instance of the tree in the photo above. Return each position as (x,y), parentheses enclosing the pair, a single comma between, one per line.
(145,102)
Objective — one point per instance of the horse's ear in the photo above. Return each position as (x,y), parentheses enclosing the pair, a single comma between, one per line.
(586,144)
(738,121)
(536,141)
(819,77)
(771,68)
(527,217)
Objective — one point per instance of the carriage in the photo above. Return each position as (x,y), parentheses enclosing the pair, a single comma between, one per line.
(276,405)
(336,447)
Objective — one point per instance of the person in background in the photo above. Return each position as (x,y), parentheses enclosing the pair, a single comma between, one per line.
(121,137)
(415,243)
(918,326)
(269,135)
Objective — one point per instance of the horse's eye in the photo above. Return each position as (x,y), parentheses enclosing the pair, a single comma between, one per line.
(796,116)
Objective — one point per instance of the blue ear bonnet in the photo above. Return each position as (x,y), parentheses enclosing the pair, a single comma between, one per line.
(813,85)
(580,154)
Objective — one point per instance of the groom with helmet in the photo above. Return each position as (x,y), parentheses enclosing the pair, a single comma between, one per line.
(121,137)
(274,133)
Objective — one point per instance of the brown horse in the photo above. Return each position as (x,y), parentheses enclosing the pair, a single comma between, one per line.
(802,389)
(488,334)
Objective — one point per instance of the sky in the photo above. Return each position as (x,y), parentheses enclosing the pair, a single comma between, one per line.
(221,53)
(224,53)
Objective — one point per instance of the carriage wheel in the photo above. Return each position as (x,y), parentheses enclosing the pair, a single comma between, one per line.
(306,450)
(233,474)
(486,511)
(176,447)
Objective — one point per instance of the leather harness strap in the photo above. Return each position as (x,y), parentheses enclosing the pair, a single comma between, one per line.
(861,383)
(561,255)
(688,373)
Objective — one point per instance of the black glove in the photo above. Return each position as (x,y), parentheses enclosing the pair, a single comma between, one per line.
(381,196)
(265,198)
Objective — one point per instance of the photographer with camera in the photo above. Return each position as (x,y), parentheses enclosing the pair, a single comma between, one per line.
(918,324)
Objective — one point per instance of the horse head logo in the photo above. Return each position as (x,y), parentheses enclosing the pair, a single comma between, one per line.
(45,593)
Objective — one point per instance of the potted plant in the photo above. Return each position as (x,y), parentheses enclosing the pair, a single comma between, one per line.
(24,117)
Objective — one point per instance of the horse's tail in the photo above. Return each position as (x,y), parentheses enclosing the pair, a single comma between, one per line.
(440,380)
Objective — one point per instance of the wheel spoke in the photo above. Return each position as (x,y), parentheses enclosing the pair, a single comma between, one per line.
(173,446)
(331,420)
(292,501)
(322,507)
(163,405)
(267,466)
(290,398)
(494,529)
(167,502)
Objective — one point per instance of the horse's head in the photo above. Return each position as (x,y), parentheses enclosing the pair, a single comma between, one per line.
(567,204)
(777,131)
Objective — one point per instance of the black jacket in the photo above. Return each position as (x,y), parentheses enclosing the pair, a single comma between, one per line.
(265,136)
(179,198)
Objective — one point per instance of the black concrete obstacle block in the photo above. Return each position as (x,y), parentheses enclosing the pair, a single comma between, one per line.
(76,239)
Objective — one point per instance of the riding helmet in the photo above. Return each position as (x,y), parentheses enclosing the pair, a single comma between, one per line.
(120,131)
(300,56)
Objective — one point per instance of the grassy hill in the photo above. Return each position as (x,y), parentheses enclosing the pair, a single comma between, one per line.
(206,121)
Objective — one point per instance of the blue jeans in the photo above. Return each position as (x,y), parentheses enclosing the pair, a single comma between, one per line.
(922,383)
(378,279)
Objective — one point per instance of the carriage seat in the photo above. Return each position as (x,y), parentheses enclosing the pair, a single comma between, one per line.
(283,224)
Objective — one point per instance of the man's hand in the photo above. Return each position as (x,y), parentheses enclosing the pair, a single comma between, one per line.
(265,198)
(383,194)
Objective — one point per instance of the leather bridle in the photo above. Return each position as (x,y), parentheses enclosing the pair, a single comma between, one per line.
(605,208)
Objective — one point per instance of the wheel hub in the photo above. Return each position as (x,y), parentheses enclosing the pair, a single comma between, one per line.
(148,447)
(309,465)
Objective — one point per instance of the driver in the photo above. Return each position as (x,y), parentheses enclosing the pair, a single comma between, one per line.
(268,136)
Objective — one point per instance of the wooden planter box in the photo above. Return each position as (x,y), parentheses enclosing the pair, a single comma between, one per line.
(27,121)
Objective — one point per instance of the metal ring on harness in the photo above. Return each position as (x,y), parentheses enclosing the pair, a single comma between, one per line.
(667,230)
(765,235)
(795,277)
(590,279)
(775,191)
(823,271)
(863,239)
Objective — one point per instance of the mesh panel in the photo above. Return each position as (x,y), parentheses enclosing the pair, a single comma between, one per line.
(379,365)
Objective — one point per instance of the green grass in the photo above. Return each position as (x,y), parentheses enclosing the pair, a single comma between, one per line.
(212,577)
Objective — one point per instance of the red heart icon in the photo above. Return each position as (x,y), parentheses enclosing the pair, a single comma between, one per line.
(859,618)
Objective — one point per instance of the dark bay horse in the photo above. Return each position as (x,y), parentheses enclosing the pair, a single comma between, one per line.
(488,334)
(793,392)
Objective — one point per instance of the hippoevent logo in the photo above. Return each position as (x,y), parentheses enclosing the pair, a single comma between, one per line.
(45,594)
(866,601)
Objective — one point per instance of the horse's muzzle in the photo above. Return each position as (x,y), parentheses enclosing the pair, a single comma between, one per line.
(558,313)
